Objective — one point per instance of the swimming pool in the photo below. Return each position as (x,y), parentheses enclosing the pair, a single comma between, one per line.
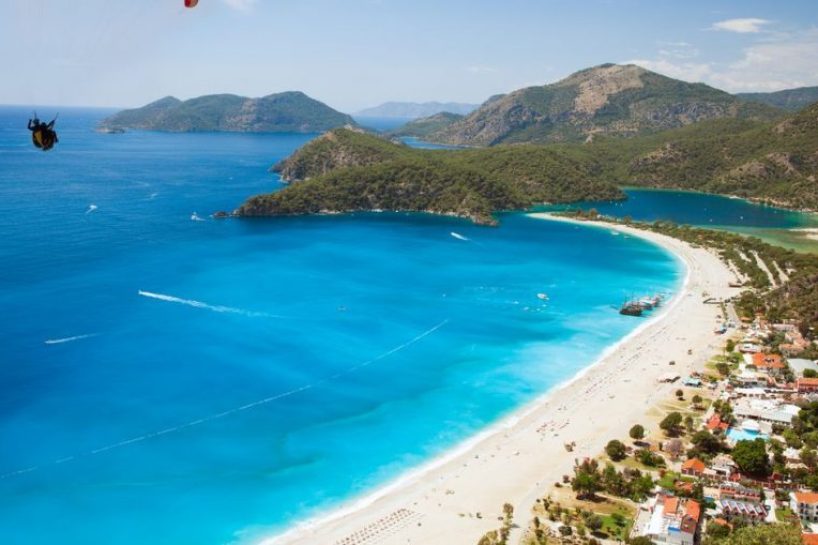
(740,434)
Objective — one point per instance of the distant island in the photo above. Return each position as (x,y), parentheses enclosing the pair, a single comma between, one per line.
(282,112)
(614,100)
(414,110)
(788,99)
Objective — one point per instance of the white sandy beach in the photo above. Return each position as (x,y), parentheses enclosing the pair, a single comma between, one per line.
(519,459)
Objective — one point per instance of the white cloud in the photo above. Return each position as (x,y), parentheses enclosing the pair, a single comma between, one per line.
(687,71)
(784,61)
(240,5)
(742,26)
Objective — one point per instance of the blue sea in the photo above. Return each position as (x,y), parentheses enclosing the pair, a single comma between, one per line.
(702,210)
(172,379)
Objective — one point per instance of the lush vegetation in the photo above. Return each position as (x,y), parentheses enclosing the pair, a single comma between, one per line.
(751,458)
(775,534)
(282,112)
(770,161)
(347,170)
(589,480)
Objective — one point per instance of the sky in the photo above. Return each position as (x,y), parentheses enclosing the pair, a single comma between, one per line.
(353,54)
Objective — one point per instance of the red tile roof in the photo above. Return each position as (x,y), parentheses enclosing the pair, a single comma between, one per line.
(694,464)
(809,539)
(715,423)
(671,505)
(806,497)
(693,510)
(807,382)
(767,361)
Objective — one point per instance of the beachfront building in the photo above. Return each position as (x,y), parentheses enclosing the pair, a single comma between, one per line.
(736,491)
(752,512)
(794,340)
(722,468)
(748,378)
(772,364)
(807,385)
(765,410)
(799,365)
(670,520)
(693,467)
(715,423)
(805,504)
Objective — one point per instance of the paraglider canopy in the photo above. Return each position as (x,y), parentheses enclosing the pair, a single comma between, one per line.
(191,3)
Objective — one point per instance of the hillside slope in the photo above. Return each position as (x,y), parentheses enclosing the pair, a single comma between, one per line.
(775,162)
(426,126)
(620,100)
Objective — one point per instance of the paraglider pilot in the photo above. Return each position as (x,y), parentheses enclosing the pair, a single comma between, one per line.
(43,135)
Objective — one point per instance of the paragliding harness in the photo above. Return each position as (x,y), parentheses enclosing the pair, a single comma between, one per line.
(43,135)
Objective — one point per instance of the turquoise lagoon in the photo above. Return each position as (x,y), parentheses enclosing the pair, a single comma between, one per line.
(168,378)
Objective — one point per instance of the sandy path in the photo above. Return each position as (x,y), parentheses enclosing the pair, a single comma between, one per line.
(520,459)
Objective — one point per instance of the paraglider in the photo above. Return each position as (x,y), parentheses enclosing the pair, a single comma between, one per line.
(191,3)
(43,135)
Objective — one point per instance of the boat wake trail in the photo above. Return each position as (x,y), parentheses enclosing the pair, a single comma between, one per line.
(91,208)
(458,236)
(198,304)
(235,410)
(70,339)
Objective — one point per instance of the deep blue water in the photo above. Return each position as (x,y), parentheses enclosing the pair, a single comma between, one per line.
(701,209)
(172,381)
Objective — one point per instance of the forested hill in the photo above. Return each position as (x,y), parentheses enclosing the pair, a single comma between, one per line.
(345,171)
(283,112)
(775,161)
(349,170)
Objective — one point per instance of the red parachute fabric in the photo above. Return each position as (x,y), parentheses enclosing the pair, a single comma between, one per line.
(191,3)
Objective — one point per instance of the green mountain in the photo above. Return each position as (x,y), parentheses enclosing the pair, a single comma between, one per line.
(426,126)
(346,171)
(619,100)
(283,112)
(789,99)
(774,161)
